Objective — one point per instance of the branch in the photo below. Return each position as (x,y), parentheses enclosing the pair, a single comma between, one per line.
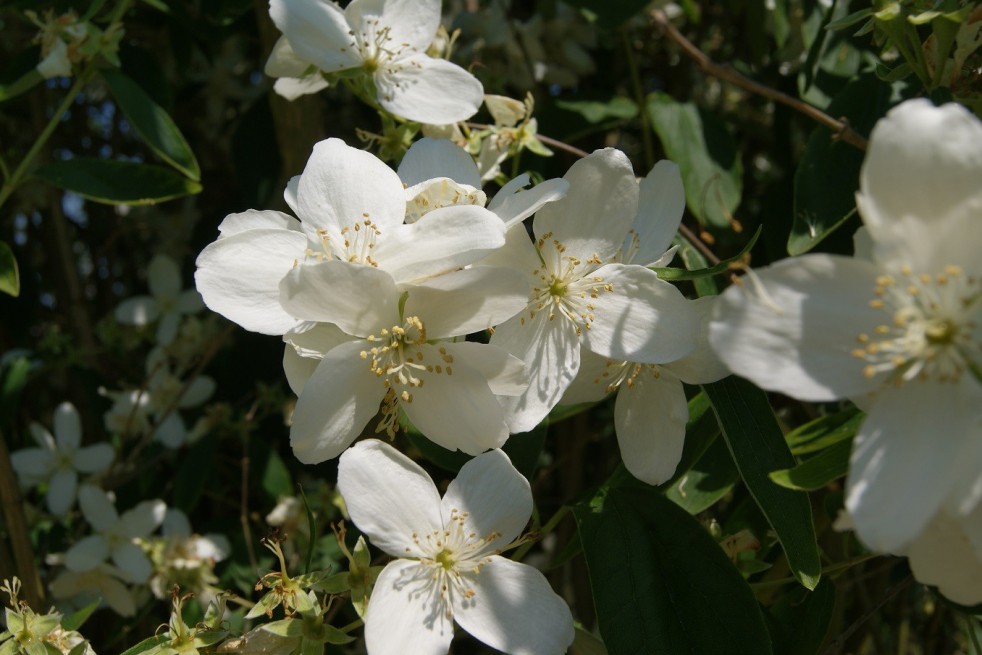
(840,127)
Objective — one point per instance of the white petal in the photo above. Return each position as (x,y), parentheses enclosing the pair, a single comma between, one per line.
(518,254)
(317,32)
(650,418)
(432,158)
(444,240)
(284,62)
(593,379)
(456,408)
(551,350)
(357,298)
(33,463)
(189,302)
(290,194)
(132,561)
(94,459)
(660,208)
(167,329)
(467,301)
(514,610)
(642,319)
(513,208)
(497,498)
(598,209)
(922,168)
(406,614)
(799,338)
(900,471)
(506,374)
(175,523)
(198,392)
(171,431)
(944,556)
(702,364)
(292,88)
(143,519)
(389,497)
(98,510)
(429,90)
(61,491)
(315,339)
(254,219)
(42,437)
(238,277)
(341,186)
(138,310)
(298,369)
(411,23)
(87,553)
(336,404)
(164,277)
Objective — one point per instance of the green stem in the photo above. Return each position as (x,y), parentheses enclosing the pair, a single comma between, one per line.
(828,570)
(351,626)
(544,530)
(638,89)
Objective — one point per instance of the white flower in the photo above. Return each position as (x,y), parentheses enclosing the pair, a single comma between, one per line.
(116,536)
(103,581)
(449,390)
(352,209)
(582,293)
(60,459)
(166,304)
(185,559)
(388,41)
(651,411)
(897,329)
(449,568)
(948,555)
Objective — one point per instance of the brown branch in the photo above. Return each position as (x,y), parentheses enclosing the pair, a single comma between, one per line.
(840,127)
(20,540)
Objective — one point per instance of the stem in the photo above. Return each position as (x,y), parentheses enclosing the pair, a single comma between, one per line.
(638,88)
(840,128)
(549,526)
(828,570)
(20,540)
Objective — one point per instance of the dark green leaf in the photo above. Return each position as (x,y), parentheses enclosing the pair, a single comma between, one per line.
(13,377)
(117,182)
(523,449)
(76,620)
(152,123)
(145,645)
(9,273)
(725,266)
(312,530)
(610,14)
(708,480)
(276,479)
(196,469)
(23,84)
(334,636)
(706,154)
(594,111)
(758,447)
(815,473)
(661,584)
(800,620)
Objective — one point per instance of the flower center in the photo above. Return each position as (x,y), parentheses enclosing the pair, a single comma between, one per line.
(932,330)
(616,373)
(355,245)
(436,194)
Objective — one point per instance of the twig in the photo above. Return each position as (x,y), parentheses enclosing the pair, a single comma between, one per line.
(840,127)
(20,540)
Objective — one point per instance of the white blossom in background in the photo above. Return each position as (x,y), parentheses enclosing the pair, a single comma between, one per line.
(897,329)
(166,304)
(77,589)
(582,292)
(116,536)
(60,458)
(448,567)
(388,42)
(181,557)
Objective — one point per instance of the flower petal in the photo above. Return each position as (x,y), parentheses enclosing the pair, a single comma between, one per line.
(943,555)
(87,553)
(650,417)
(406,614)
(702,364)
(298,368)
(132,562)
(597,211)
(143,519)
(254,219)
(96,507)
(359,299)
(94,459)
(389,497)
(456,408)
(317,32)
(337,402)
(138,310)
(429,90)
(467,301)
(660,207)
(496,497)
(292,88)
(284,62)
(551,351)
(514,207)
(641,319)
(514,610)
(411,23)
(922,168)
(432,158)
(506,374)
(163,277)
(343,186)
(33,463)
(444,240)
(61,491)
(593,380)
(198,392)
(900,470)
(793,326)
(189,302)
(239,275)
(167,328)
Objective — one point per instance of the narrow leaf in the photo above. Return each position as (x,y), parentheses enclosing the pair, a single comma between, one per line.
(724,266)
(708,480)
(758,447)
(815,473)
(77,619)
(9,273)
(824,431)
(145,645)
(117,182)
(661,584)
(23,84)
(152,123)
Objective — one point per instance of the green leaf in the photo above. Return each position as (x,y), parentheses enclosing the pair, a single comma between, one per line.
(824,431)
(9,273)
(800,620)
(660,583)
(523,449)
(708,480)
(593,111)
(610,14)
(76,620)
(827,178)
(706,154)
(725,266)
(276,479)
(285,627)
(195,471)
(311,528)
(23,84)
(145,645)
(117,182)
(332,635)
(152,123)
(815,473)
(694,260)
(13,377)
(585,643)
(758,447)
